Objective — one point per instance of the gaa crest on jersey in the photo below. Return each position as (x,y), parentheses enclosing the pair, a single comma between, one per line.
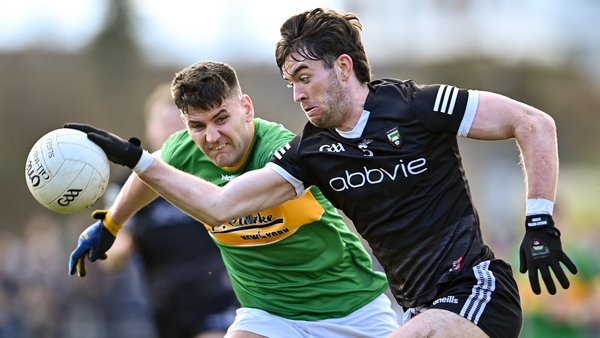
(394,137)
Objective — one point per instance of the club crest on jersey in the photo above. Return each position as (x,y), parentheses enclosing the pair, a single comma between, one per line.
(364,145)
(394,137)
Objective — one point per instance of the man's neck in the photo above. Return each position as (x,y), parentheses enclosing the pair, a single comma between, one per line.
(358,97)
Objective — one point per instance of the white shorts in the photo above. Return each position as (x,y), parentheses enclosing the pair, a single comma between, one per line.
(376,319)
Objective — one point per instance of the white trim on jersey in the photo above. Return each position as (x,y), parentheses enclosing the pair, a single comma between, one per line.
(469,116)
(358,129)
(298,185)
(481,294)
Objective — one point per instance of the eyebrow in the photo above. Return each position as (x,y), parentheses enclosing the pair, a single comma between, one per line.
(212,117)
(297,70)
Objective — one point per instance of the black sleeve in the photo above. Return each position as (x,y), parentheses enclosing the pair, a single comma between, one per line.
(440,107)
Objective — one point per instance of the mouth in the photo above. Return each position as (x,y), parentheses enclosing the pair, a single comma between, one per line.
(307,109)
(311,112)
(219,147)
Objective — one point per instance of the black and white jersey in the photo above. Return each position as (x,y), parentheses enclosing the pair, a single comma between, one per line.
(398,176)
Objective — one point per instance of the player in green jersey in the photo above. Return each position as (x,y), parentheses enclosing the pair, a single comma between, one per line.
(296,268)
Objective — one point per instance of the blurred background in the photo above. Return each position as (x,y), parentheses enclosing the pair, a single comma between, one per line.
(96,61)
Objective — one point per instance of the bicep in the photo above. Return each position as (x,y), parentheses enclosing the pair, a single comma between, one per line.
(499,118)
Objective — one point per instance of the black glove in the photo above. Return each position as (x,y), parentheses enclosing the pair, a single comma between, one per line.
(93,242)
(119,151)
(540,250)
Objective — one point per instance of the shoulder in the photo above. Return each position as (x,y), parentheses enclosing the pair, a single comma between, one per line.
(271,132)
(177,143)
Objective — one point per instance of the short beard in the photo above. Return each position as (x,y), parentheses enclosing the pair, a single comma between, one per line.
(337,100)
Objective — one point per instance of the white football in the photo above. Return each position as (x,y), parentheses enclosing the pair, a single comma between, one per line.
(66,172)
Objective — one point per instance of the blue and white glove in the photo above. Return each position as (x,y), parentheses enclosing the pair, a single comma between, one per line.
(93,242)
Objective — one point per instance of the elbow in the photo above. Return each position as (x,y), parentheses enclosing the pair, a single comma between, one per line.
(547,123)
(217,217)
(214,222)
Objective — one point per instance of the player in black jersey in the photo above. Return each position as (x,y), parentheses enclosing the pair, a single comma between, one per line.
(386,153)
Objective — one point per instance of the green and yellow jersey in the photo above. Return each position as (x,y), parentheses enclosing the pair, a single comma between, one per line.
(297,260)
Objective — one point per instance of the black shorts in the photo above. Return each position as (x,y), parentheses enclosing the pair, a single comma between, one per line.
(487,296)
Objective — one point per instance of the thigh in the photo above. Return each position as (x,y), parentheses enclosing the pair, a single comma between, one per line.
(487,296)
(437,323)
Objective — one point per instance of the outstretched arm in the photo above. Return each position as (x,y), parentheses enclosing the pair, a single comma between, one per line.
(251,192)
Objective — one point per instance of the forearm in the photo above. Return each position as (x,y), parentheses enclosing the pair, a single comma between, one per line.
(251,192)
(134,195)
(254,191)
(539,155)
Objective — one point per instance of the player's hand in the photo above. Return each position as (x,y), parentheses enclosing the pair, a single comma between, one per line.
(541,250)
(93,242)
(117,150)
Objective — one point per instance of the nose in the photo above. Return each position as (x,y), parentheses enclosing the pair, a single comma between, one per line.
(211,133)
(299,93)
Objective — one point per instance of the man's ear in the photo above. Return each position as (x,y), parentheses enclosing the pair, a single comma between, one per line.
(345,67)
(248,106)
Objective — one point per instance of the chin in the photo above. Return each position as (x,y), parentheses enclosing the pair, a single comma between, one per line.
(223,162)
(320,124)
(316,122)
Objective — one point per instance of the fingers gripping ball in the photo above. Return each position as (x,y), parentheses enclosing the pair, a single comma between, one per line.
(66,172)
(118,150)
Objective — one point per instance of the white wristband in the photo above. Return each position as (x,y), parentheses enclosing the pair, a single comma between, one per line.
(145,161)
(537,206)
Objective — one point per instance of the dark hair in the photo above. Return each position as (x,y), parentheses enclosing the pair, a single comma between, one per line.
(324,34)
(204,86)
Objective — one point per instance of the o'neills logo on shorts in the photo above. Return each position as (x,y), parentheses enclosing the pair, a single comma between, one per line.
(449,299)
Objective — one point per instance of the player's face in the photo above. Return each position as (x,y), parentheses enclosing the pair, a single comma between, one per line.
(318,90)
(223,133)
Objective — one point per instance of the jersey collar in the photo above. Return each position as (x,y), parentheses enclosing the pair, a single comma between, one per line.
(357,131)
